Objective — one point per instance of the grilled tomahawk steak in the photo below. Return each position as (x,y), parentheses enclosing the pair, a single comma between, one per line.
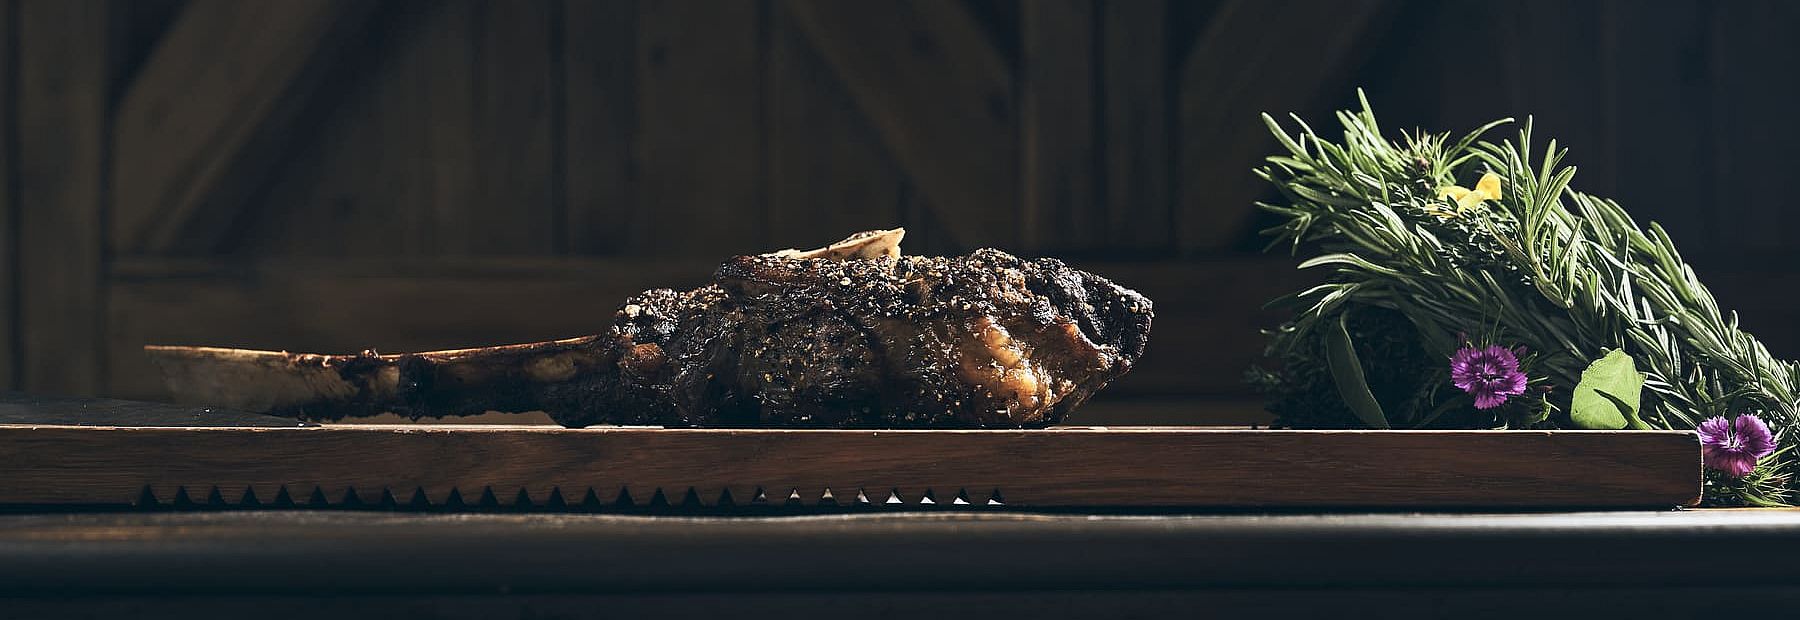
(851,335)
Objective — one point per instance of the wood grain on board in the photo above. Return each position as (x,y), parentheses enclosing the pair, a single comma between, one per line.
(1146,467)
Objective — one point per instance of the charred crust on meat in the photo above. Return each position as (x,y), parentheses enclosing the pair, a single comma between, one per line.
(982,340)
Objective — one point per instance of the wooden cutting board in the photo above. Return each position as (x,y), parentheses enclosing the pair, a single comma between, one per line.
(1060,467)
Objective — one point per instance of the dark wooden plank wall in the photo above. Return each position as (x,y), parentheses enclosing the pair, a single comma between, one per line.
(61,116)
(412,174)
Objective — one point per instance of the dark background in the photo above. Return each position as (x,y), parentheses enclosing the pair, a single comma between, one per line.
(332,176)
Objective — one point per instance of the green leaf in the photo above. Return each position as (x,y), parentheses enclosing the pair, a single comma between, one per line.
(1632,421)
(1609,393)
(1347,373)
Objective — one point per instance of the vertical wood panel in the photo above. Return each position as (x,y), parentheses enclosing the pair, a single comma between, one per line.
(1560,49)
(1488,56)
(513,209)
(699,107)
(829,174)
(427,109)
(1661,82)
(1136,80)
(9,208)
(62,107)
(1754,105)
(1549,60)
(600,68)
(1058,170)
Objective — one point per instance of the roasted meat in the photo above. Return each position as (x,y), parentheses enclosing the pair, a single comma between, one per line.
(851,335)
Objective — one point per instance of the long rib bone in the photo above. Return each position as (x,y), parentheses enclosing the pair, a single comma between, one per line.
(454,382)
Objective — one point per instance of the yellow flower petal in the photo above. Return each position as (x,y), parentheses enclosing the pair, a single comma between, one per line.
(1471,199)
(1488,187)
(1452,193)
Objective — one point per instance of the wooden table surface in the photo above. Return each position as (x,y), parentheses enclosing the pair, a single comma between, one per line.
(280,564)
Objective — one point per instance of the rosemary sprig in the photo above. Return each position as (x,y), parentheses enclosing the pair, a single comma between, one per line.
(1566,274)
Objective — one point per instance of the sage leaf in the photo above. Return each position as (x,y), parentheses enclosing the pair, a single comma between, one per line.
(1632,421)
(1347,373)
(1608,395)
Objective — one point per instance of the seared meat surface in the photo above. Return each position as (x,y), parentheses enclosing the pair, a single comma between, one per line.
(833,338)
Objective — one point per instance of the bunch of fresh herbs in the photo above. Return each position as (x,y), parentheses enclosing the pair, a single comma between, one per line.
(1520,303)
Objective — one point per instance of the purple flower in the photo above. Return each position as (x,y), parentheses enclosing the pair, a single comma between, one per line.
(1734,446)
(1490,374)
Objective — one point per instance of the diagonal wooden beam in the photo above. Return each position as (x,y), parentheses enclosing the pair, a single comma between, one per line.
(1239,68)
(226,75)
(939,95)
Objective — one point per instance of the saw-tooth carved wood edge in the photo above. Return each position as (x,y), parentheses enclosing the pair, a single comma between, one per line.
(553,497)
